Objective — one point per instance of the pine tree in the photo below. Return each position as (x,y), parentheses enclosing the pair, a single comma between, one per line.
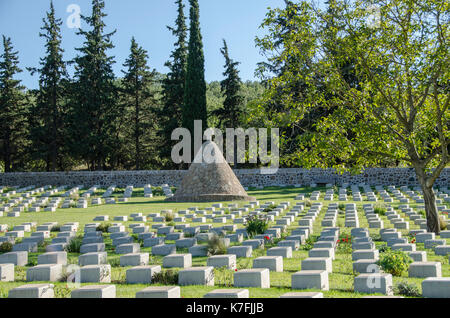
(47,131)
(194,107)
(94,109)
(13,113)
(233,106)
(173,85)
(137,83)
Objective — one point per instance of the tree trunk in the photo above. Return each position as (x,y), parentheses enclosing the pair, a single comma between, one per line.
(431,210)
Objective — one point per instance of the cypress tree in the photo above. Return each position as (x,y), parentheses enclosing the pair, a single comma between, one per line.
(94,109)
(47,131)
(233,106)
(194,107)
(137,82)
(173,85)
(13,113)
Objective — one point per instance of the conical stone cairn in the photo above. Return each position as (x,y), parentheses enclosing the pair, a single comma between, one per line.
(210,179)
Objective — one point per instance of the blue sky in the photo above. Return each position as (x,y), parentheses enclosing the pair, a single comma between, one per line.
(235,20)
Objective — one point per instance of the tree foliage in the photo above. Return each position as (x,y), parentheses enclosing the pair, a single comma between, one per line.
(13,110)
(94,109)
(173,86)
(49,113)
(194,106)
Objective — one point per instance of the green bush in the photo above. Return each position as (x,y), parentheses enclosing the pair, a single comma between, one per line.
(394,262)
(74,245)
(270,208)
(379,209)
(6,247)
(408,290)
(165,277)
(103,227)
(256,225)
(169,216)
(216,246)
(341,206)
(55,228)
(308,203)
(309,243)
(344,245)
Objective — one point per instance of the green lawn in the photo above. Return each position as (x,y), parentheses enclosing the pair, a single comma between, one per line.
(340,281)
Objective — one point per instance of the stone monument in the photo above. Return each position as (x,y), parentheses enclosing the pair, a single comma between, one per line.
(210,178)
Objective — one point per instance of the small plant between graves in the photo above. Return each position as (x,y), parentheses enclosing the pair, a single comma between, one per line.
(223,276)
(270,208)
(169,216)
(6,247)
(394,262)
(103,227)
(379,209)
(406,289)
(256,225)
(166,277)
(74,245)
(216,246)
(344,245)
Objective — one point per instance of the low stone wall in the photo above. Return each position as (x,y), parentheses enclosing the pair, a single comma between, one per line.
(248,177)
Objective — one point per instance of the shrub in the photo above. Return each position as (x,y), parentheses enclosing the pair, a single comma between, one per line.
(74,245)
(165,277)
(223,277)
(394,262)
(309,244)
(216,246)
(103,227)
(379,209)
(256,225)
(270,208)
(406,289)
(344,245)
(171,223)
(341,206)
(169,216)
(55,228)
(308,202)
(6,247)
(422,213)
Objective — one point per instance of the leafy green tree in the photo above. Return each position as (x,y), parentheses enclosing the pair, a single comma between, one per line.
(194,107)
(13,111)
(137,91)
(94,109)
(173,86)
(48,116)
(399,108)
